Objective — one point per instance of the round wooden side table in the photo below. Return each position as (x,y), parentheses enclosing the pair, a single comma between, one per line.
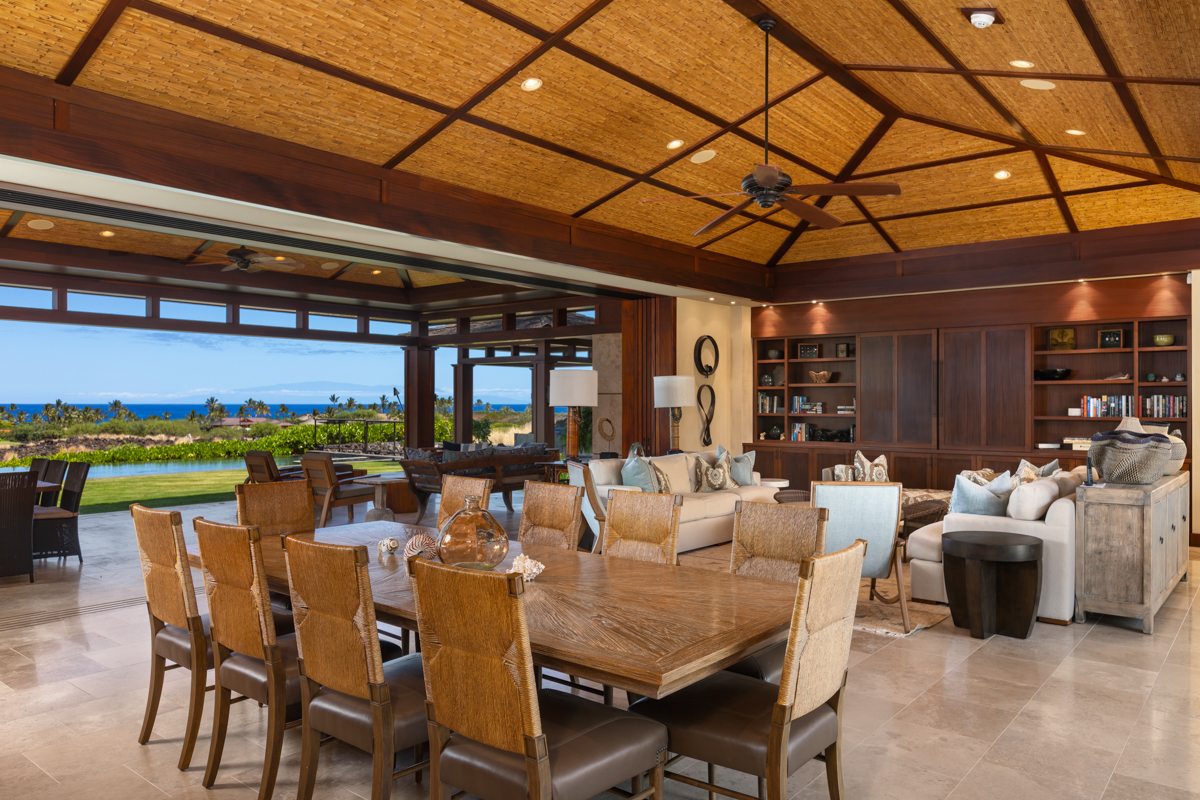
(993,581)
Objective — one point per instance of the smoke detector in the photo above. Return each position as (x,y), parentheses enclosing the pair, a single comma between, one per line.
(982,17)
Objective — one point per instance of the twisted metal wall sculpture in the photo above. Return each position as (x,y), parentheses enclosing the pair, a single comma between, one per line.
(706,417)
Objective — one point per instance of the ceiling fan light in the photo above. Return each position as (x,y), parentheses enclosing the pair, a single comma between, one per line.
(1002,175)
(531,84)
(703,156)
(1022,64)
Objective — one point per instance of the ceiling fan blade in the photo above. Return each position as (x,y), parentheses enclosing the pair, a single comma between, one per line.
(766,176)
(708,226)
(806,211)
(847,190)
(254,267)
(690,197)
(230,268)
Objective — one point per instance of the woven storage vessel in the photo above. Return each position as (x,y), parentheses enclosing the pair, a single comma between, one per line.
(1128,457)
(1178,446)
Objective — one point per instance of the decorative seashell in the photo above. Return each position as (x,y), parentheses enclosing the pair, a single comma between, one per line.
(388,545)
(528,567)
(423,544)
(820,377)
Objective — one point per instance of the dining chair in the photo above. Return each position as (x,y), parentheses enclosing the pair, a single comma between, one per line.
(771,541)
(642,527)
(752,726)
(56,528)
(18,494)
(261,468)
(329,490)
(249,656)
(869,511)
(353,685)
(178,632)
(38,465)
(455,491)
(495,735)
(424,480)
(551,515)
(55,471)
(276,508)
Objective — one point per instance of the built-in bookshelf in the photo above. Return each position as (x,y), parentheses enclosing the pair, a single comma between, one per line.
(787,364)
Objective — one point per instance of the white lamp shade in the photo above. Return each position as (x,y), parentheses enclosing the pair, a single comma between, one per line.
(573,387)
(674,391)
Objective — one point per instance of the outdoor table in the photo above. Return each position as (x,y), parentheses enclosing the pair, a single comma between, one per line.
(650,629)
(392,492)
(44,486)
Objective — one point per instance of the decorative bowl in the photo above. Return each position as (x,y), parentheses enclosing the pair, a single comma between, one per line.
(774,355)
(820,377)
(1051,374)
(1163,340)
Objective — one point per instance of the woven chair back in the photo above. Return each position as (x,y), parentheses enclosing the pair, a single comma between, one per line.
(818,648)
(770,540)
(170,593)
(456,489)
(422,474)
(276,508)
(38,466)
(72,491)
(235,583)
(551,515)
(261,467)
(18,493)
(334,610)
(318,468)
(859,510)
(475,650)
(55,471)
(643,526)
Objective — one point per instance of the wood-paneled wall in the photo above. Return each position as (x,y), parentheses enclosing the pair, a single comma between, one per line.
(647,350)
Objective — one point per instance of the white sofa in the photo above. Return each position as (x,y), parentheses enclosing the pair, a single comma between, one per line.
(1056,529)
(705,518)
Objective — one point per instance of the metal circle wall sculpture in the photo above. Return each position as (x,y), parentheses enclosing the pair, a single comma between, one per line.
(698,355)
(706,415)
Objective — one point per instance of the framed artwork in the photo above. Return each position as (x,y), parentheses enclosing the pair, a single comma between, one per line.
(808,351)
(1060,339)
(845,350)
(1110,339)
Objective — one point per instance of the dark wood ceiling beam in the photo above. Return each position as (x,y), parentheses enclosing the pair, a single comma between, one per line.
(735,229)
(523,335)
(10,223)
(1022,74)
(342,271)
(1084,17)
(545,304)
(405,278)
(1056,190)
(939,162)
(91,41)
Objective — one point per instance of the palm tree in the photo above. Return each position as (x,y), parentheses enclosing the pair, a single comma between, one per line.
(263,408)
(284,411)
(115,408)
(351,403)
(193,416)
(166,415)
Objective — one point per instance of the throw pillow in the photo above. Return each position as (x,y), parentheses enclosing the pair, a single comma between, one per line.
(675,469)
(990,500)
(1032,500)
(980,477)
(637,472)
(843,472)
(741,467)
(454,458)
(1027,472)
(660,477)
(417,454)
(870,471)
(714,478)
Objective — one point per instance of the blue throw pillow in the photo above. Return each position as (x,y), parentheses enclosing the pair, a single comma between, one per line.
(990,500)
(638,472)
(742,470)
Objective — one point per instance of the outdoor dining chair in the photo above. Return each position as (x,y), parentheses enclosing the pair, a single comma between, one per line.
(261,468)
(18,493)
(331,491)
(56,528)
(38,465)
(55,470)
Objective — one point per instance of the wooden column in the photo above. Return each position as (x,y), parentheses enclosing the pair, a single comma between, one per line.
(464,399)
(543,414)
(647,350)
(418,396)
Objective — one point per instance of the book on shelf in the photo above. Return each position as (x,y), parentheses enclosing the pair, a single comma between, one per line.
(770,403)
(1163,406)
(797,401)
(1108,405)
(1077,442)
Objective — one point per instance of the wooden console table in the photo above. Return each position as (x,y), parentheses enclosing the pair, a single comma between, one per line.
(1131,547)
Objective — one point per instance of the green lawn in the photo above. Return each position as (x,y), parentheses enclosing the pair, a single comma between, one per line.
(173,489)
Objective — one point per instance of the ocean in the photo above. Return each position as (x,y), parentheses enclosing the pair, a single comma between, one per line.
(181,410)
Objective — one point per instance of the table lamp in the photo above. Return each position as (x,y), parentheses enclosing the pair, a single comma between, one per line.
(573,388)
(674,392)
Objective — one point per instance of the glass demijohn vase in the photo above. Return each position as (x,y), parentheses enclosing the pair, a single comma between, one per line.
(472,538)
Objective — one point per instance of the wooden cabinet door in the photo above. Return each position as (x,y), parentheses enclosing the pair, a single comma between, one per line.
(897,388)
(877,388)
(794,465)
(766,461)
(985,383)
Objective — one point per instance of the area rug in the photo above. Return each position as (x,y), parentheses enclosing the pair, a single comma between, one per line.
(878,617)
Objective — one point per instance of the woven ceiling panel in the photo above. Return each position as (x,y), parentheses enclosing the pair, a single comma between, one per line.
(1151,38)
(548,14)
(40,35)
(702,50)
(1013,221)
(1173,114)
(584,108)
(1133,206)
(429,49)
(908,142)
(311,268)
(757,243)
(1072,175)
(945,97)
(422,279)
(859,31)
(1087,106)
(471,156)
(844,209)
(1041,31)
(87,234)
(961,184)
(855,240)
(153,61)
(824,124)
(672,221)
(364,273)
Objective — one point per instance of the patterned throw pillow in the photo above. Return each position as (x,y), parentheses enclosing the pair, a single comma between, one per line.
(460,456)
(870,471)
(660,478)
(716,477)
(1027,473)
(417,454)
(843,472)
(979,477)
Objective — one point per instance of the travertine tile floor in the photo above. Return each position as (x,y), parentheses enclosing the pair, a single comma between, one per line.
(1096,710)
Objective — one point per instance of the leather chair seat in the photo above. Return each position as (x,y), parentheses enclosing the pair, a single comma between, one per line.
(174,644)
(247,675)
(348,718)
(592,748)
(726,720)
(766,665)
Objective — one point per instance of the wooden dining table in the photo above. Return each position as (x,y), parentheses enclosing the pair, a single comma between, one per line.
(651,629)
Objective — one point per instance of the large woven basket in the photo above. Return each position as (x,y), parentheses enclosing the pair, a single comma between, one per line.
(1128,457)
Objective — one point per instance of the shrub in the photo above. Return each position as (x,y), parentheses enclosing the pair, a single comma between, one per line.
(260,430)
(481,430)
(34,433)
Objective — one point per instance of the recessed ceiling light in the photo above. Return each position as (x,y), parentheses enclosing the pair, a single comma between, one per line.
(107,233)
(1022,64)
(732,303)
(703,156)
(712,298)
(1002,175)
(330,265)
(280,258)
(675,144)
(376,271)
(40,224)
(1075,132)
(531,84)
(1081,280)
(1033,83)
(814,302)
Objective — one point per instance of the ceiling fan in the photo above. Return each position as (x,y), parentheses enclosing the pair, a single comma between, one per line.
(768,184)
(247,260)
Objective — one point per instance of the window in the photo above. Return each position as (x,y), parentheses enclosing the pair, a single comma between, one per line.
(106,304)
(328,322)
(387,327)
(268,317)
(194,312)
(26,298)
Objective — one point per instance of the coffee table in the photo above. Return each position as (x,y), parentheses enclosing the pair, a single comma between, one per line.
(993,581)
(392,492)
